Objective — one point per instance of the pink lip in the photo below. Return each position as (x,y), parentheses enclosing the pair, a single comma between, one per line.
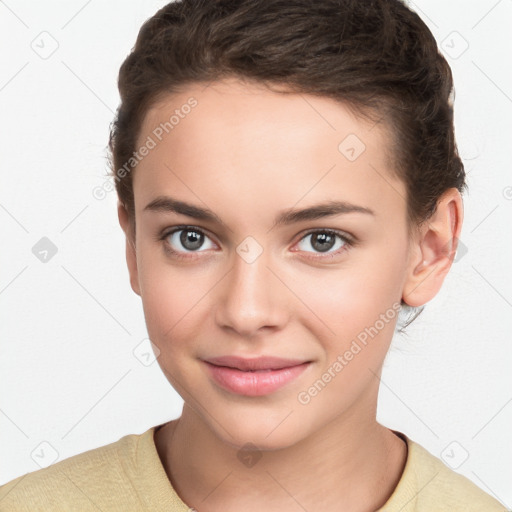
(257,363)
(261,376)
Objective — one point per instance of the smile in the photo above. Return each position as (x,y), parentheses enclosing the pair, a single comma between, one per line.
(254,382)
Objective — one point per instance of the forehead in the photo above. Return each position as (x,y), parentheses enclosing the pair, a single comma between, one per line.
(242,139)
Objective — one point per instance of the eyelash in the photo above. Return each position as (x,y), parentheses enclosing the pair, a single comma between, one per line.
(347,240)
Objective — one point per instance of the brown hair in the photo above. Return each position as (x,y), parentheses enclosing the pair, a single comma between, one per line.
(377,57)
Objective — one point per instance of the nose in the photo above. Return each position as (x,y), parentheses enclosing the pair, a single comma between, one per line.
(251,298)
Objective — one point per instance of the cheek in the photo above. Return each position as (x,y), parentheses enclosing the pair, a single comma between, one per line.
(336,306)
(351,311)
(171,304)
(343,301)
(353,325)
(173,300)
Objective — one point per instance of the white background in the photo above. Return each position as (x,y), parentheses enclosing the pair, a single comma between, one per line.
(69,326)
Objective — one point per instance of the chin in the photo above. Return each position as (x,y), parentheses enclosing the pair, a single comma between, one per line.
(266,434)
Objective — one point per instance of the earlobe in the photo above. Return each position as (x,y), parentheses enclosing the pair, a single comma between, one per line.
(433,251)
(131,253)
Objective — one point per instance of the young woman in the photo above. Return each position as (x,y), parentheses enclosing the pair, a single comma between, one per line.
(288,181)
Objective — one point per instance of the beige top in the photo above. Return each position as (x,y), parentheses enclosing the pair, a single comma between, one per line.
(128,475)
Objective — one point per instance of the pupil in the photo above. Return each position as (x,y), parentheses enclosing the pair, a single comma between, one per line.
(191,239)
(326,241)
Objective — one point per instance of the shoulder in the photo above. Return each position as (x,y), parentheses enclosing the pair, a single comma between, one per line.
(427,485)
(92,480)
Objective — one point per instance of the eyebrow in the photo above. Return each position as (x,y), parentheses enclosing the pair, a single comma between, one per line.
(286,217)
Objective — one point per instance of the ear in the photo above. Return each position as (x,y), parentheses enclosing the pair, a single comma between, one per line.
(433,249)
(131,254)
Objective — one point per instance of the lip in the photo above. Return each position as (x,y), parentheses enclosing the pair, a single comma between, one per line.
(262,376)
(257,363)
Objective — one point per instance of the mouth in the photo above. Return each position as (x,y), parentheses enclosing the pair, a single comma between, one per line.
(254,377)
(263,363)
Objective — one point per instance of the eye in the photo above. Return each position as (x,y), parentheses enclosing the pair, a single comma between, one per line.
(185,239)
(182,241)
(325,240)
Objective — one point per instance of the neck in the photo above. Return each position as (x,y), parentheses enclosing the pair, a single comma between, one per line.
(347,465)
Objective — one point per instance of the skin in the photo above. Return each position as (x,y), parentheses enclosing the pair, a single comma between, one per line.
(248,153)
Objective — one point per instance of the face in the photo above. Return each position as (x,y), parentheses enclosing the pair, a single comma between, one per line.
(314,288)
